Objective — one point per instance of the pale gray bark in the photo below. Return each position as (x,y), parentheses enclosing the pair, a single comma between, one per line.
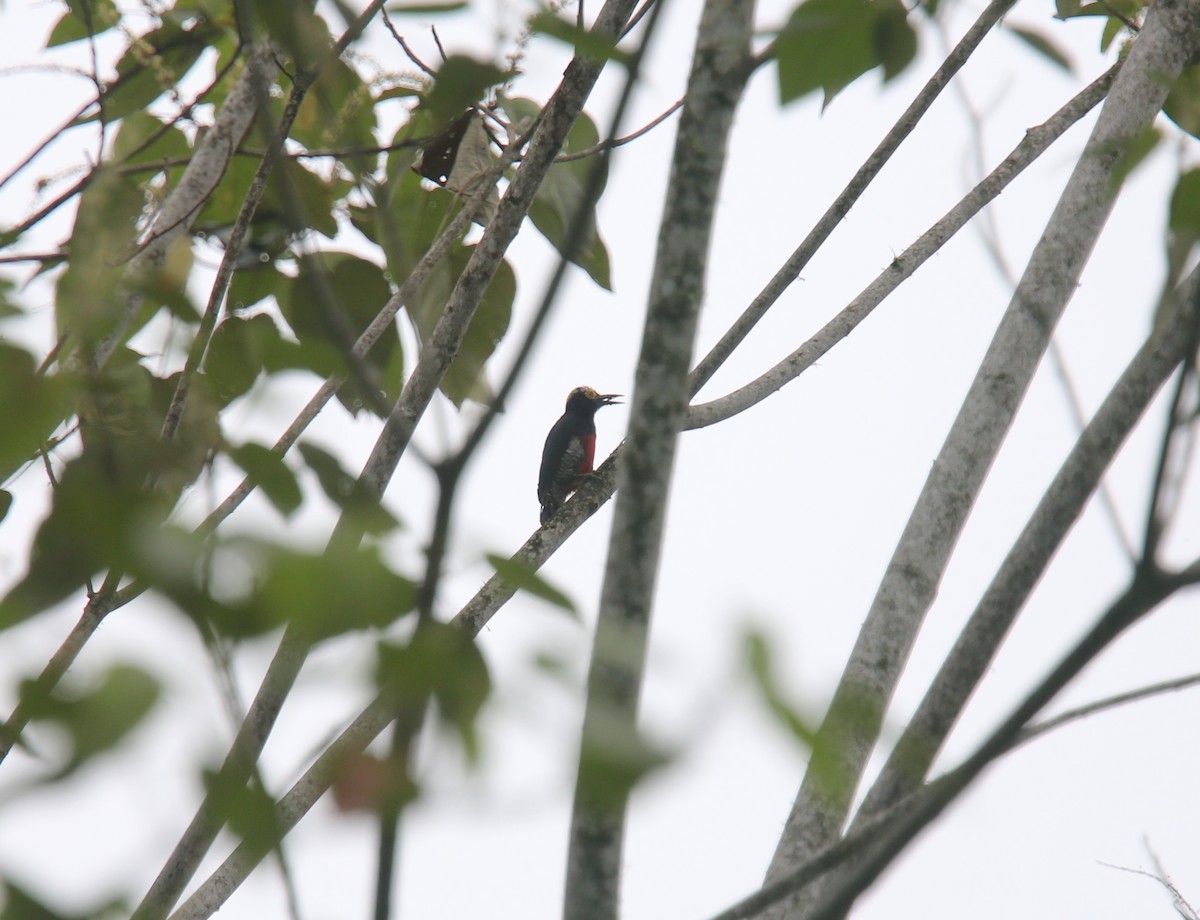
(720,67)
(434,359)
(851,727)
(200,179)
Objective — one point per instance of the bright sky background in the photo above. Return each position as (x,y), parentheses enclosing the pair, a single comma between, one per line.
(782,519)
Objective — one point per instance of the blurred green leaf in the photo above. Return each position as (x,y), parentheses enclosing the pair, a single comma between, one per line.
(294,26)
(6,500)
(345,491)
(247,809)
(464,379)
(1140,146)
(83,19)
(761,669)
(561,195)
(1185,204)
(142,138)
(36,405)
(8,303)
(359,291)
(1183,102)
(524,578)
(97,718)
(585,42)
(614,757)
(332,593)
(90,296)
(270,474)
(253,284)
(92,519)
(828,44)
(443,664)
(1043,46)
(338,113)
(153,64)
(19,904)
(235,354)
(460,83)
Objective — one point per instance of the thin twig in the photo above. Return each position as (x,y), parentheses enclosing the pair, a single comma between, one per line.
(610,144)
(1036,141)
(421,65)
(849,195)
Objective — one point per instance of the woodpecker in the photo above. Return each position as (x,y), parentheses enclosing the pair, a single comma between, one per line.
(570,448)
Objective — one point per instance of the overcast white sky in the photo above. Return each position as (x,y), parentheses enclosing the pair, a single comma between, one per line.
(782,518)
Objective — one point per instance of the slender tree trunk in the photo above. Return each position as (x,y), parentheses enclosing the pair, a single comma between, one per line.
(720,68)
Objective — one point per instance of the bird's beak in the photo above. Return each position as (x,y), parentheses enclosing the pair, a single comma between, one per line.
(610,399)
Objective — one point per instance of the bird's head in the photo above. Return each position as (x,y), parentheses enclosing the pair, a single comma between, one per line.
(586,400)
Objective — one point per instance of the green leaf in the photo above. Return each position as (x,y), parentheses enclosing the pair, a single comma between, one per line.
(236,354)
(142,138)
(357,291)
(761,669)
(268,471)
(98,718)
(562,194)
(19,904)
(1185,204)
(332,593)
(524,578)
(460,83)
(253,284)
(90,295)
(1183,101)
(248,810)
(299,31)
(828,44)
(6,500)
(8,303)
(1043,46)
(1140,146)
(442,663)
(338,112)
(83,19)
(409,218)
(36,405)
(152,65)
(613,758)
(345,491)
(586,43)
(487,327)
(93,519)
(270,231)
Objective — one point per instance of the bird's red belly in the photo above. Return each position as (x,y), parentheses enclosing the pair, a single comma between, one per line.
(588,441)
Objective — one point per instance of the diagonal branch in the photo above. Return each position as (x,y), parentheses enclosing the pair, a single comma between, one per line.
(435,357)
(1063,503)
(833,216)
(851,727)
(1035,142)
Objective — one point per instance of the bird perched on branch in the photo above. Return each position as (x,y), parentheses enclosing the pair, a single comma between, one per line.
(570,448)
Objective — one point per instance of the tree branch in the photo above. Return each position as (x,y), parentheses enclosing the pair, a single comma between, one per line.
(1059,509)
(851,727)
(791,269)
(720,69)
(1035,142)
